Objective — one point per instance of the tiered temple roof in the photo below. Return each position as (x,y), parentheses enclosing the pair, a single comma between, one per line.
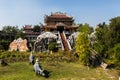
(59,19)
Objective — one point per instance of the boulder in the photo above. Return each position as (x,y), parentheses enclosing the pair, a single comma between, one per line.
(18,45)
(104,65)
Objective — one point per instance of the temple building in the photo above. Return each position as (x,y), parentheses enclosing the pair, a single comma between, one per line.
(59,22)
(60,25)
(29,34)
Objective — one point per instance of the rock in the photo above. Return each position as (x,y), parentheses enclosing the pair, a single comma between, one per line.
(18,45)
(104,65)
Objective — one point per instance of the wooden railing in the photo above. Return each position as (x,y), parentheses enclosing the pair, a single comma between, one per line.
(64,41)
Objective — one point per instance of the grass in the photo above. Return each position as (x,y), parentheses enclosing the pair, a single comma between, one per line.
(57,71)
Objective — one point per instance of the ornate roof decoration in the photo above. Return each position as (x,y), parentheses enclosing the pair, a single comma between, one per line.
(27,27)
(58,13)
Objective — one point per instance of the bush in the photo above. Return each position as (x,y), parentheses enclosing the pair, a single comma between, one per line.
(114,53)
(4,44)
(52,46)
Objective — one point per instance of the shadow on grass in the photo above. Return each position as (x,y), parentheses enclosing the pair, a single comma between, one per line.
(47,73)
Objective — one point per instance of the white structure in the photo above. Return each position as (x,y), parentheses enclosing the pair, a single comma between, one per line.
(38,69)
(43,40)
(31,58)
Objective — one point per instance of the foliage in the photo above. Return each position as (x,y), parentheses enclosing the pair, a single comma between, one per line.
(85,28)
(19,34)
(100,48)
(4,44)
(10,29)
(16,56)
(115,30)
(82,47)
(114,53)
(108,40)
(9,33)
(36,28)
(82,44)
(52,46)
(102,41)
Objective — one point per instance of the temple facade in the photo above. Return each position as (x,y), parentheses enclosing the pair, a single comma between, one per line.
(59,22)
(29,34)
(62,26)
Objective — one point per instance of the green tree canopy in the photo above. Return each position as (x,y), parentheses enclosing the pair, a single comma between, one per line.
(108,40)
(10,29)
(115,29)
(85,28)
(52,46)
(36,28)
(82,44)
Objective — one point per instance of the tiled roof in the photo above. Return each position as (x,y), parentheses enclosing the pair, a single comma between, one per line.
(58,15)
(27,27)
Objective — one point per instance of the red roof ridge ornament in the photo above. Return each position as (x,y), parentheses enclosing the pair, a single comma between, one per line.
(58,13)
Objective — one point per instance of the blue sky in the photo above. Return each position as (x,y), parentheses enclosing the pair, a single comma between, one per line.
(21,12)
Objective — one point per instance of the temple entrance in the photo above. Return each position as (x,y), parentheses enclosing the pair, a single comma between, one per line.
(60,28)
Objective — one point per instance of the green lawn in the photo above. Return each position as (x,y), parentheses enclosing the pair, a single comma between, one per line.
(57,71)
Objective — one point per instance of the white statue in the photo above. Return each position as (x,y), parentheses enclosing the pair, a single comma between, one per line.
(38,69)
(31,59)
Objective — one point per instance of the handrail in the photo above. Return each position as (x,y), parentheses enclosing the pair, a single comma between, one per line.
(67,41)
(60,40)
(69,45)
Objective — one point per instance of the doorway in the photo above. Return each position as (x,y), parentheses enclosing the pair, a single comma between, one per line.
(60,28)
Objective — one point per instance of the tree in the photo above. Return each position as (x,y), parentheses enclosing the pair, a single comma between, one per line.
(114,53)
(82,44)
(102,39)
(19,34)
(115,30)
(52,46)
(10,32)
(108,40)
(85,28)
(9,29)
(36,28)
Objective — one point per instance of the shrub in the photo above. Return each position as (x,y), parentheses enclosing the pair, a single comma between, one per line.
(4,44)
(114,53)
(52,46)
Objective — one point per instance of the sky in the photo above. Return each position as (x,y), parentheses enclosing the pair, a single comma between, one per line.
(32,12)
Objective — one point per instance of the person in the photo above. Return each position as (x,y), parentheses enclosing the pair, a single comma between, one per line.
(31,59)
(38,69)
